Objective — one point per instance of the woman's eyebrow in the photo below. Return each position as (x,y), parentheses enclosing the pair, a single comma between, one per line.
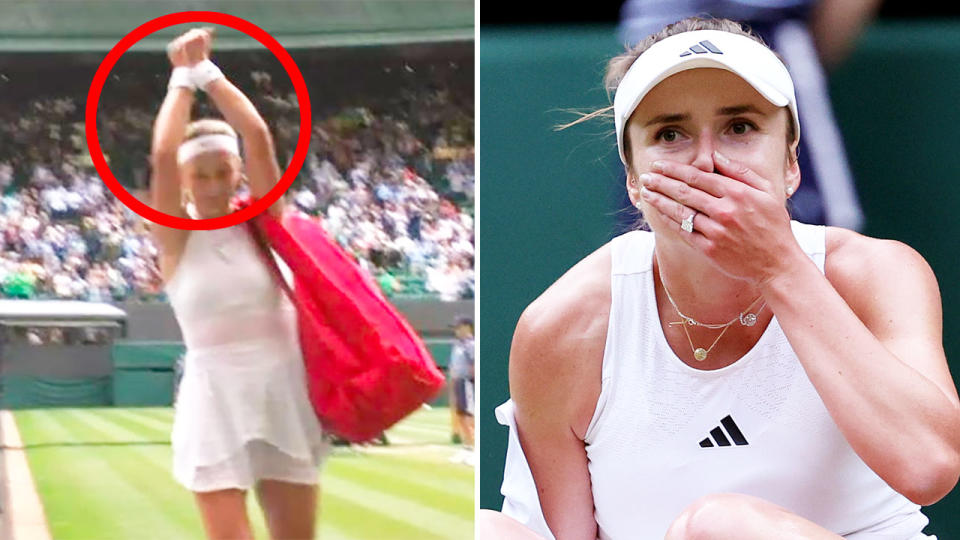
(667,119)
(739,109)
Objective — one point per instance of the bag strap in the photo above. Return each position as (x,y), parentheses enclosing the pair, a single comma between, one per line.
(265,253)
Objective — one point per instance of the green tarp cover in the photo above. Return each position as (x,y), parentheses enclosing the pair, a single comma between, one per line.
(146,354)
(24,391)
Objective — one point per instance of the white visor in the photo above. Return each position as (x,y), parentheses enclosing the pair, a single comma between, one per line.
(207,143)
(753,62)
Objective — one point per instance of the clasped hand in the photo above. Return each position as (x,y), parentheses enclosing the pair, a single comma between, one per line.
(190,48)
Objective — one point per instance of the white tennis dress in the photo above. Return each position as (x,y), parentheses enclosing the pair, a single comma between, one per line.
(242,411)
(665,434)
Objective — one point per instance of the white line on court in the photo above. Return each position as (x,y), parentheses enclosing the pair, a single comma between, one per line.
(23,506)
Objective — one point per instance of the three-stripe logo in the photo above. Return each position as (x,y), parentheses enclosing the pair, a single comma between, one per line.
(702,48)
(720,437)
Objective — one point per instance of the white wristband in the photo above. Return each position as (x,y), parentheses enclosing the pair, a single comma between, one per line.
(204,73)
(180,78)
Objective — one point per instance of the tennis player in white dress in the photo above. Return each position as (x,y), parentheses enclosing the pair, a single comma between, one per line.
(243,419)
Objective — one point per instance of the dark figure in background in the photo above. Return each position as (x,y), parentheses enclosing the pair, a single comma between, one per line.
(461,386)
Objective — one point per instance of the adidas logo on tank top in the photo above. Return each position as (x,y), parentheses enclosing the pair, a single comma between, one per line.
(722,438)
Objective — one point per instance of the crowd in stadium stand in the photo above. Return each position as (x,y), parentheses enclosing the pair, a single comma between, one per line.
(393,185)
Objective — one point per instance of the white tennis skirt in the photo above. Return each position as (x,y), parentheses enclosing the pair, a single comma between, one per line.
(243,415)
(257,460)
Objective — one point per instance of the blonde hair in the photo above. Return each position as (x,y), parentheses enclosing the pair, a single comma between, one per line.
(208,126)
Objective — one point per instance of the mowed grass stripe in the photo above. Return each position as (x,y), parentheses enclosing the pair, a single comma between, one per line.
(140,476)
(86,486)
(355,503)
(366,519)
(71,513)
(163,426)
(75,432)
(452,494)
(427,419)
(408,486)
(153,463)
(159,457)
(40,427)
(111,431)
(138,431)
(433,417)
(430,430)
(402,507)
(426,464)
(56,487)
(163,414)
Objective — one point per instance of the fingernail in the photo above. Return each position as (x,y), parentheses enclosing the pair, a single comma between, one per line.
(657,165)
(721,158)
(645,193)
(645,178)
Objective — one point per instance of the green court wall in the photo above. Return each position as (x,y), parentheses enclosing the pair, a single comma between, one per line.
(548,198)
(143,372)
(143,375)
(26,391)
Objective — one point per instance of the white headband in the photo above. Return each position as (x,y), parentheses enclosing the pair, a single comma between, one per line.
(752,61)
(207,143)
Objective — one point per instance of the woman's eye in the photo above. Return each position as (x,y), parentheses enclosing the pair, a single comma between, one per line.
(740,128)
(669,135)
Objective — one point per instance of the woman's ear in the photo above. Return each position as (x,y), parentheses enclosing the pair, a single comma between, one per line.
(633,188)
(792,179)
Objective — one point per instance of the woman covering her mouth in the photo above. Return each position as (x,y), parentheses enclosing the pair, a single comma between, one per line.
(728,373)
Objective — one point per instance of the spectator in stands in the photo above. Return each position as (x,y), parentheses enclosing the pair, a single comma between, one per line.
(384,178)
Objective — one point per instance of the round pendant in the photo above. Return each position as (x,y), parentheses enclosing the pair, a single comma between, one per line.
(749,319)
(700,354)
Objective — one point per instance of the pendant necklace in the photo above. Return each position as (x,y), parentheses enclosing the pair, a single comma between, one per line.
(746,318)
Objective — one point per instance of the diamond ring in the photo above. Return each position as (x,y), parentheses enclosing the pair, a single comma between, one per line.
(687,224)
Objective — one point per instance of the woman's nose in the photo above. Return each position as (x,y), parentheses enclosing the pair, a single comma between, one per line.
(703,159)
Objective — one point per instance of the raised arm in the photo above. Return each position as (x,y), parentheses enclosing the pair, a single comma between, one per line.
(168,133)
(259,154)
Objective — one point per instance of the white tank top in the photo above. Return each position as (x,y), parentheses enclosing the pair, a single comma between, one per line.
(223,293)
(665,434)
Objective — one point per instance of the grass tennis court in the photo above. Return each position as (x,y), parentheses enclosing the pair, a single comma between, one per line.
(104,474)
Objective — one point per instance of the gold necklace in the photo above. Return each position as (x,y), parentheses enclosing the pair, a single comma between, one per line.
(699,353)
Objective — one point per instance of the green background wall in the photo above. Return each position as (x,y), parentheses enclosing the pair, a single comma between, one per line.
(548,199)
(142,375)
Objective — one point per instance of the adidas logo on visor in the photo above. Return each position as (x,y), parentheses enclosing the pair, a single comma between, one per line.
(702,48)
(718,435)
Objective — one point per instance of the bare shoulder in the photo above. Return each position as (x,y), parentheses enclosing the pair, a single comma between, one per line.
(557,350)
(856,258)
(875,274)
